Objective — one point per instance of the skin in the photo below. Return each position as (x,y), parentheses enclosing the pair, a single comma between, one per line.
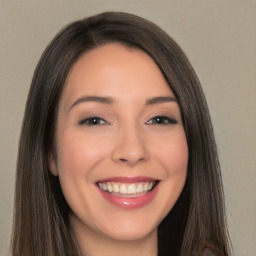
(126,141)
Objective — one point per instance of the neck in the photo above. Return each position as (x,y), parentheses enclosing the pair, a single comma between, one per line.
(93,243)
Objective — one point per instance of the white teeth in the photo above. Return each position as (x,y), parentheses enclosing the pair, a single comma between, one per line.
(139,188)
(132,189)
(104,187)
(116,188)
(122,188)
(109,188)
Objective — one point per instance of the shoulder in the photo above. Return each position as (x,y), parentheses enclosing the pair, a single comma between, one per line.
(208,252)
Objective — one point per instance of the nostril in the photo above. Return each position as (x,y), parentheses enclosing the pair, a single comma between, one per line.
(123,160)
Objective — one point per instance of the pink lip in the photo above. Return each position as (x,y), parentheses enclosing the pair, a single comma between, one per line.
(130,203)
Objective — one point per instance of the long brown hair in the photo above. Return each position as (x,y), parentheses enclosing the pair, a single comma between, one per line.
(41,224)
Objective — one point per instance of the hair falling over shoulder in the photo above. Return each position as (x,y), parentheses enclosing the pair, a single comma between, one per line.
(197,223)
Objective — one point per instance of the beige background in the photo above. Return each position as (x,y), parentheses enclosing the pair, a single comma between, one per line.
(220,39)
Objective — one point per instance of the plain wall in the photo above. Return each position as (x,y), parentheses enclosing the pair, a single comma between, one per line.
(219,38)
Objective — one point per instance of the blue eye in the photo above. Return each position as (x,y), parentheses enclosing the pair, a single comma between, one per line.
(94,120)
(163,120)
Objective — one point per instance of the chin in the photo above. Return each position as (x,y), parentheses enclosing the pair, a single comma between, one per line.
(130,229)
(131,235)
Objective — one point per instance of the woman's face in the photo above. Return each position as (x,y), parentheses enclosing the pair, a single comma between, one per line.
(121,148)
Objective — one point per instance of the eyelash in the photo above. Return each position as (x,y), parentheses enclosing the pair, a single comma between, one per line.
(93,121)
(162,120)
(157,120)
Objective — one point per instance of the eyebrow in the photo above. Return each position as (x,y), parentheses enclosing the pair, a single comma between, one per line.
(104,100)
(110,100)
(161,99)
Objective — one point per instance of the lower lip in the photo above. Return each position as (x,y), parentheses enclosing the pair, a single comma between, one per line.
(130,203)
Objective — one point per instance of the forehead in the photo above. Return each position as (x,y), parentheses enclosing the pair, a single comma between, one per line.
(117,70)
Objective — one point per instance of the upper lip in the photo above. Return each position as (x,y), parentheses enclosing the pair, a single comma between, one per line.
(128,179)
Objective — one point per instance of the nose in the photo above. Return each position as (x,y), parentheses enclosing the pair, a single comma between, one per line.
(130,147)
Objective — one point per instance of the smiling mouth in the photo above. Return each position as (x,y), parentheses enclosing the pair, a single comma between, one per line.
(128,190)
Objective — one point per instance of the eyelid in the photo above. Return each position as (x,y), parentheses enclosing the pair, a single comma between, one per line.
(90,118)
(170,120)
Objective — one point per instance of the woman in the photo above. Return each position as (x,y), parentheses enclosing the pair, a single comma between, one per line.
(117,154)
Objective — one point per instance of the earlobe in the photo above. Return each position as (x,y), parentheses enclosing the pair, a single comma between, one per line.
(53,165)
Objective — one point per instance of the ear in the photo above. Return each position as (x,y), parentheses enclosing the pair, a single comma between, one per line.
(53,165)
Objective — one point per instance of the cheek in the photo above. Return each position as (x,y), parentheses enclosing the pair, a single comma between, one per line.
(77,157)
(79,153)
(174,155)
(175,161)
(178,158)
